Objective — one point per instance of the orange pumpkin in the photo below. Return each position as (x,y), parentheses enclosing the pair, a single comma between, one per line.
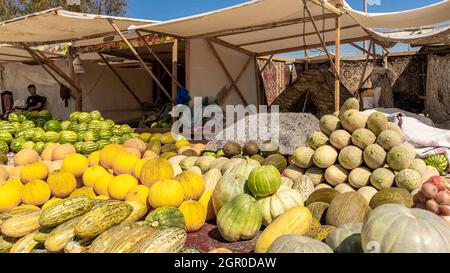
(194,215)
(192,183)
(62,183)
(154,170)
(109,153)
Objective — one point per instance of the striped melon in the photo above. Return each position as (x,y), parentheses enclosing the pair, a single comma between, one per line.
(6,136)
(51,137)
(4,148)
(68,137)
(89,147)
(65,210)
(111,236)
(105,134)
(84,118)
(91,136)
(169,240)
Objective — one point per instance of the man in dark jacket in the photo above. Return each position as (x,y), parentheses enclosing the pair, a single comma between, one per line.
(34,102)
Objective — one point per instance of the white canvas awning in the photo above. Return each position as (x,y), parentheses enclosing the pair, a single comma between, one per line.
(13,54)
(265,26)
(56,25)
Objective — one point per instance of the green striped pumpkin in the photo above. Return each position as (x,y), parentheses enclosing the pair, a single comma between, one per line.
(165,217)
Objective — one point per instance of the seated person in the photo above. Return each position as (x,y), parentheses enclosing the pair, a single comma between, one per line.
(34,102)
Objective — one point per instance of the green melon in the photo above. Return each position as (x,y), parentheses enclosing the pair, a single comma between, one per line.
(78,147)
(377,123)
(102,143)
(51,137)
(329,124)
(91,136)
(439,161)
(316,174)
(65,125)
(392,196)
(399,158)
(374,156)
(4,147)
(382,178)
(325,156)
(89,147)
(352,120)
(276,160)
(347,208)
(39,147)
(346,239)
(68,137)
(316,140)
(389,139)
(95,115)
(351,157)
(340,139)
(28,145)
(336,175)
(16,144)
(325,195)
(52,126)
(84,118)
(303,157)
(363,138)
(349,104)
(359,177)
(6,136)
(367,192)
(408,179)
(394,127)
(418,165)
(94,125)
(318,210)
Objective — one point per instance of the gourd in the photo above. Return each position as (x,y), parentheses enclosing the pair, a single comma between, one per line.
(194,215)
(165,217)
(228,187)
(346,239)
(350,207)
(169,240)
(293,243)
(65,210)
(275,205)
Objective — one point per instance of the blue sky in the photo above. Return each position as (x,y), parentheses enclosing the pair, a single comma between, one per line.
(170,9)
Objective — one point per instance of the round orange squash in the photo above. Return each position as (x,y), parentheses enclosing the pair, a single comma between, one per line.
(9,198)
(101,184)
(76,164)
(47,153)
(124,164)
(150,154)
(138,167)
(155,169)
(34,171)
(109,153)
(62,183)
(26,156)
(91,174)
(60,152)
(166,193)
(136,144)
(120,185)
(194,215)
(192,183)
(94,158)
(35,192)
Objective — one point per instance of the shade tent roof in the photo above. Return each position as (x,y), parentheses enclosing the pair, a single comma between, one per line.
(13,54)
(55,25)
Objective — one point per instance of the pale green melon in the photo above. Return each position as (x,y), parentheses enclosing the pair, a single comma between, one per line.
(359,177)
(363,137)
(377,123)
(410,148)
(322,186)
(316,174)
(350,104)
(317,139)
(389,139)
(340,139)
(303,157)
(399,158)
(408,179)
(336,175)
(368,192)
(329,124)
(325,156)
(394,127)
(352,120)
(382,178)
(336,114)
(374,156)
(344,187)
(351,157)
(418,165)
(293,172)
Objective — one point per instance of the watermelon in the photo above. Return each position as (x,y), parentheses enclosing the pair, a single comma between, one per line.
(38,136)
(39,147)
(116,131)
(65,125)
(78,146)
(107,124)
(52,126)
(51,137)
(8,127)
(135,135)
(84,118)
(82,127)
(4,148)
(105,134)
(126,137)
(94,125)
(45,114)
(40,122)
(89,147)
(80,135)
(19,134)
(13,117)
(16,144)
(116,140)
(74,116)
(16,125)
(28,145)
(68,137)
(28,134)
(91,136)
(439,161)
(102,143)
(95,115)
(126,129)
(6,136)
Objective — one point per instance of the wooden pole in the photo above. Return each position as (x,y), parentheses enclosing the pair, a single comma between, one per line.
(374,54)
(174,73)
(337,81)
(74,77)
(140,60)
(361,81)
(266,63)
(114,71)
(258,80)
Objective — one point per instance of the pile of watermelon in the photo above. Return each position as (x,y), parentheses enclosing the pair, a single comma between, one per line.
(87,132)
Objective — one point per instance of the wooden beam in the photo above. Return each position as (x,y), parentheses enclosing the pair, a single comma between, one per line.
(362,49)
(327,6)
(141,61)
(114,71)
(337,81)
(149,48)
(222,64)
(248,29)
(241,72)
(361,81)
(374,54)
(266,63)
(187,63)
(174,70)
(258,81)
(226,44)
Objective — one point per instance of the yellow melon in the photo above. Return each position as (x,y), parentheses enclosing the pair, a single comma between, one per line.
(194,215)
(60,152)
(138,193)
(47,153)
(86,191)
(120,185)
(15,181)
(51,202)
(101,184)
(133,151)
(109,153)
(150,154)
(35,192)
(182,143)
(15,171)
(94,158)
(76,164)
(166,193)
(91,175)
(181,150)
(138,167)
(102,198)
(124,164)
(4,173)
(62,183)
(9,198)
(34,171)
(26,156)
(192,183)
(55,166)
(154,170)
